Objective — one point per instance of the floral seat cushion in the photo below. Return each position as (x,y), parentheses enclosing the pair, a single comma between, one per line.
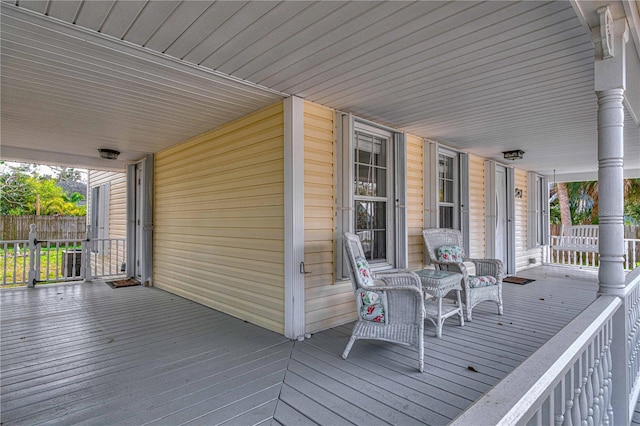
(450,254)
(482,281)
(370,303)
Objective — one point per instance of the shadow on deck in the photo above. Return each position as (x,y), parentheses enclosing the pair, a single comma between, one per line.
(87,353)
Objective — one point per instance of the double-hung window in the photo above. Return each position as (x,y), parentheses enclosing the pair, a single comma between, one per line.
(448,190)
(371,192)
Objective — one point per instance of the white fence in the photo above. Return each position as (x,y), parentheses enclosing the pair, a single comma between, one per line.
(34,261)
(586,374)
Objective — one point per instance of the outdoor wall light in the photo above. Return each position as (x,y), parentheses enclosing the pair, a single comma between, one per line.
(108,154)
(513,155)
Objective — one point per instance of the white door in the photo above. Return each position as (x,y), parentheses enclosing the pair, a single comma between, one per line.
(502,234)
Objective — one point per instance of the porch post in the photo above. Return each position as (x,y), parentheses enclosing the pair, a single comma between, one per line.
(610,182)
(34,257)
(610,84)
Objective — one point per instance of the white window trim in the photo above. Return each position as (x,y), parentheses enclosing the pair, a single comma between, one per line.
(344,200)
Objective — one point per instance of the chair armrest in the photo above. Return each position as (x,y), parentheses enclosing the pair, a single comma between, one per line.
(405,278)
(492,267)
(405,302)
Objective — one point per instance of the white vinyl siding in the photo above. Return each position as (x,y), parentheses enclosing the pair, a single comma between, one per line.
(117,206)
(477,207)
(219,219)
(415,201)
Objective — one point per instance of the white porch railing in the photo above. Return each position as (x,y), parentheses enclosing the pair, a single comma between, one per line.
(587,374)
(567,255)
(33,261)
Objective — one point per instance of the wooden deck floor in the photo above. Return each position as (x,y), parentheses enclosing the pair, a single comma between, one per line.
(90,354)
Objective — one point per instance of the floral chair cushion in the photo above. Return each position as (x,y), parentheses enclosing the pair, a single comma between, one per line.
(450,254)
(483,281)
(363,271)
(371,306)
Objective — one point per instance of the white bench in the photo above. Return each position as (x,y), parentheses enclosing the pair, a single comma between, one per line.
(579,238)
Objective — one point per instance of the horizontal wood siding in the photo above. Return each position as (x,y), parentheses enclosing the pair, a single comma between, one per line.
(415,201)
(219,219)
(476,207)
(523,254)
(326,304)
(117,200)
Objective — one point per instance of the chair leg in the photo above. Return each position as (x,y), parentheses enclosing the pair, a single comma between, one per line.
(345,354)
(500,310)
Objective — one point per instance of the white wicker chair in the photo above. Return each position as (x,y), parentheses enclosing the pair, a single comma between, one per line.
(471,294)
(401,295)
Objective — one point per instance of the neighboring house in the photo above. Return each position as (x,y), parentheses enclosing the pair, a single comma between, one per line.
(225,224)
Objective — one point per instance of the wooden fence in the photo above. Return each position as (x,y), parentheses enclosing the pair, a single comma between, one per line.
(630,231)
(47,227)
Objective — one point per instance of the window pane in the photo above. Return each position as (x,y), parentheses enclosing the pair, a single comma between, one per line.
(371,227)
(446,217)
(370,169)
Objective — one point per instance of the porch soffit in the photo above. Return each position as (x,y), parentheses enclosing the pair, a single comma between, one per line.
(484,77)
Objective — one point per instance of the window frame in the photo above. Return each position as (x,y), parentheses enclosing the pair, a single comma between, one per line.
(346,126)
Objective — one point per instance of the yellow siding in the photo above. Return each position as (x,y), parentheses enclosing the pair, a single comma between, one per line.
(219,219)
(523,254)
(476,207)
(117,200)
(415,201)
(326,304)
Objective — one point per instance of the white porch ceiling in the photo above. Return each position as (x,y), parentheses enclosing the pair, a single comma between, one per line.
(139,76)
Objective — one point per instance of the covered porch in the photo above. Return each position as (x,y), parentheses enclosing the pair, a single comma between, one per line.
(236,123)
(87,353)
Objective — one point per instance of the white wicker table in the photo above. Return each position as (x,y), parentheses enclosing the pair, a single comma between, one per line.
(438,284)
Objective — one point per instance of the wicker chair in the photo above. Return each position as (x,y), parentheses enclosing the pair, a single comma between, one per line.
(390,305)
(445,251)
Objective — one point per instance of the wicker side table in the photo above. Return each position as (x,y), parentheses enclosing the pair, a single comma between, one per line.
(438,284)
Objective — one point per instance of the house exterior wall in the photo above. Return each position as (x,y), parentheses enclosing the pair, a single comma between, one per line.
(219,219)
(415,201)
(523,253)
(327,303)
(117,199)
(477,207)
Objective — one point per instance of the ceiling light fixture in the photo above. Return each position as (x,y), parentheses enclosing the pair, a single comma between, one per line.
(513,155)
(108,154)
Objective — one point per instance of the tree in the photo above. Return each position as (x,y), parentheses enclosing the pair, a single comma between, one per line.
(17,196)
(563,200)
(582,202)
(21,188)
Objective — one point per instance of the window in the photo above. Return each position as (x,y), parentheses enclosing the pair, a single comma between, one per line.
(371,192)
(538,207)
(100,214)
(448,191)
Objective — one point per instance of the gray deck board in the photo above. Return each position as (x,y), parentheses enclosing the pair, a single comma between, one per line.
(90,354)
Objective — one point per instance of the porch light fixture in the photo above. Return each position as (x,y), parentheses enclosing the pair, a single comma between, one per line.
(108,154)
(513,155)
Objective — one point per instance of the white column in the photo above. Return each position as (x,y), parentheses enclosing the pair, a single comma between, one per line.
(610,183)
(610,85)
(294,269)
